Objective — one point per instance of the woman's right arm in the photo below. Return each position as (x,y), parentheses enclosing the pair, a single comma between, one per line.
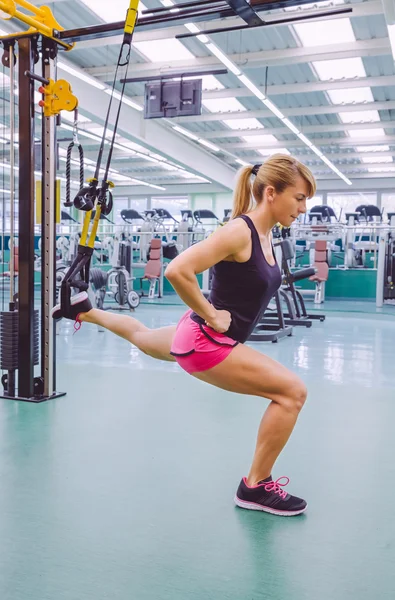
(181,272)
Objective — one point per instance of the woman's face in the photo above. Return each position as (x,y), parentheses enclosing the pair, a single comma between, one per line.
(289,204)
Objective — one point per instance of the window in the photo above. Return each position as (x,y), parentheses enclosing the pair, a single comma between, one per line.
(120,203)
(314,201)
(388,203)
(345,203)
(174,205)
(139,204)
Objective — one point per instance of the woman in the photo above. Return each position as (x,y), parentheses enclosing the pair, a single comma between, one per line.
(209,340)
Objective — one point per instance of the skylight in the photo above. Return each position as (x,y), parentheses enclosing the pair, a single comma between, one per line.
(163,50)
(209,82)
(377,159)
(343,68)
(372,148)
(243,124)
(351,95)
(276,151)
(260,139)
(314,5)
(217,105)
(380,169)
(359,116)
(320,33)
(110,11)
(366,133)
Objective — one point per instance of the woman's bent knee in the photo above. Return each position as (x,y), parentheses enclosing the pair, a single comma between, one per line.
(295,396)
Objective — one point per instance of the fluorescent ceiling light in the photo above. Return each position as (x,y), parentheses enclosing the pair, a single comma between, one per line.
(208,145)
(185,132)
(269,104)
(343,68)
(163,50)
(243,163)
(80,75)
(377,159)
(224,105)
(203,38)
(260,140)
(325,32)
(359,116)
(251,86)
(125,99)
(243,123)
(192,27)
(167,2)
(351,95)
(290,126)
(223,58)
(5,191)
(372,148)
(366,133)
(316,151)
(305,140)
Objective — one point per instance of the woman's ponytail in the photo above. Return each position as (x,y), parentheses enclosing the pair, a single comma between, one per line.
(242,200)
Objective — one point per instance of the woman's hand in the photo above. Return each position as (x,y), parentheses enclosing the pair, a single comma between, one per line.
(221,321)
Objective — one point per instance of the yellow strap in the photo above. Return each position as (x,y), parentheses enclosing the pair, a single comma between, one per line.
(131,17)
(92,238)
(85,229)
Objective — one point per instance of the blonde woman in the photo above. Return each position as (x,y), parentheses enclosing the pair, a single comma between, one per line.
(209,341)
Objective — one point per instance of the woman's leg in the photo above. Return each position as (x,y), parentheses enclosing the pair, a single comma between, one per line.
(154,342)
(246,371)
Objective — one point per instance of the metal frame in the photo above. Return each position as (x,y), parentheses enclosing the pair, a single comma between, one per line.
(181,74)
(26,220)
(31,388)
(196,11)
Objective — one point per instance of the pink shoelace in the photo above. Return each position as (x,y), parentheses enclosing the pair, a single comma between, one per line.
(275,487)
(77,324)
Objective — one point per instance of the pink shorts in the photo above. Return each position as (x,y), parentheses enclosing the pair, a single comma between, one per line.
(199,348)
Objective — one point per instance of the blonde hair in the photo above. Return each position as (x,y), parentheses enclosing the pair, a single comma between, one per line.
(279,171)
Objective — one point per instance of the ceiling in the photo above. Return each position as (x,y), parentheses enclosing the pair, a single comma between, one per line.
(332,78)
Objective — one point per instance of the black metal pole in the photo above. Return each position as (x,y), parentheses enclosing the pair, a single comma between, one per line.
(26,222)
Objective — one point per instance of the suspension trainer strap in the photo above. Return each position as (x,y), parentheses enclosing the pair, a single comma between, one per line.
(80,149)
(123,60)
(90,197)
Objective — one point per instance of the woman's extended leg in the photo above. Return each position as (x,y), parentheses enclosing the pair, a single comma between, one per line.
(246,371)
(154,342)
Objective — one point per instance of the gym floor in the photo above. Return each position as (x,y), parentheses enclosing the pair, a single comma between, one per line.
(123,489)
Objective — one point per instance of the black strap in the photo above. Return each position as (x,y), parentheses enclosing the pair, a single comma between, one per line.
(122,62)
(68,201)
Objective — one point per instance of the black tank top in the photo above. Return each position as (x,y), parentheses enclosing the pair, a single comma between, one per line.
(244,289)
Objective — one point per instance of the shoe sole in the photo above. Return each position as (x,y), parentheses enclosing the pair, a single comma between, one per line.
(81,297)
(262,508)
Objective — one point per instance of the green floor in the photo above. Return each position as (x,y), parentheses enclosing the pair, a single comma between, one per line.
(123,489)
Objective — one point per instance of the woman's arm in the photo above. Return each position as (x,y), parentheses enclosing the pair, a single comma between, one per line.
(182,271)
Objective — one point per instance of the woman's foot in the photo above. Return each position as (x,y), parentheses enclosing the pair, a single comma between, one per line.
(79,304)
(268,496)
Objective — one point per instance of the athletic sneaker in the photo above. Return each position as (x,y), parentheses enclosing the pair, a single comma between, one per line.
(79,303)
(268,496)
